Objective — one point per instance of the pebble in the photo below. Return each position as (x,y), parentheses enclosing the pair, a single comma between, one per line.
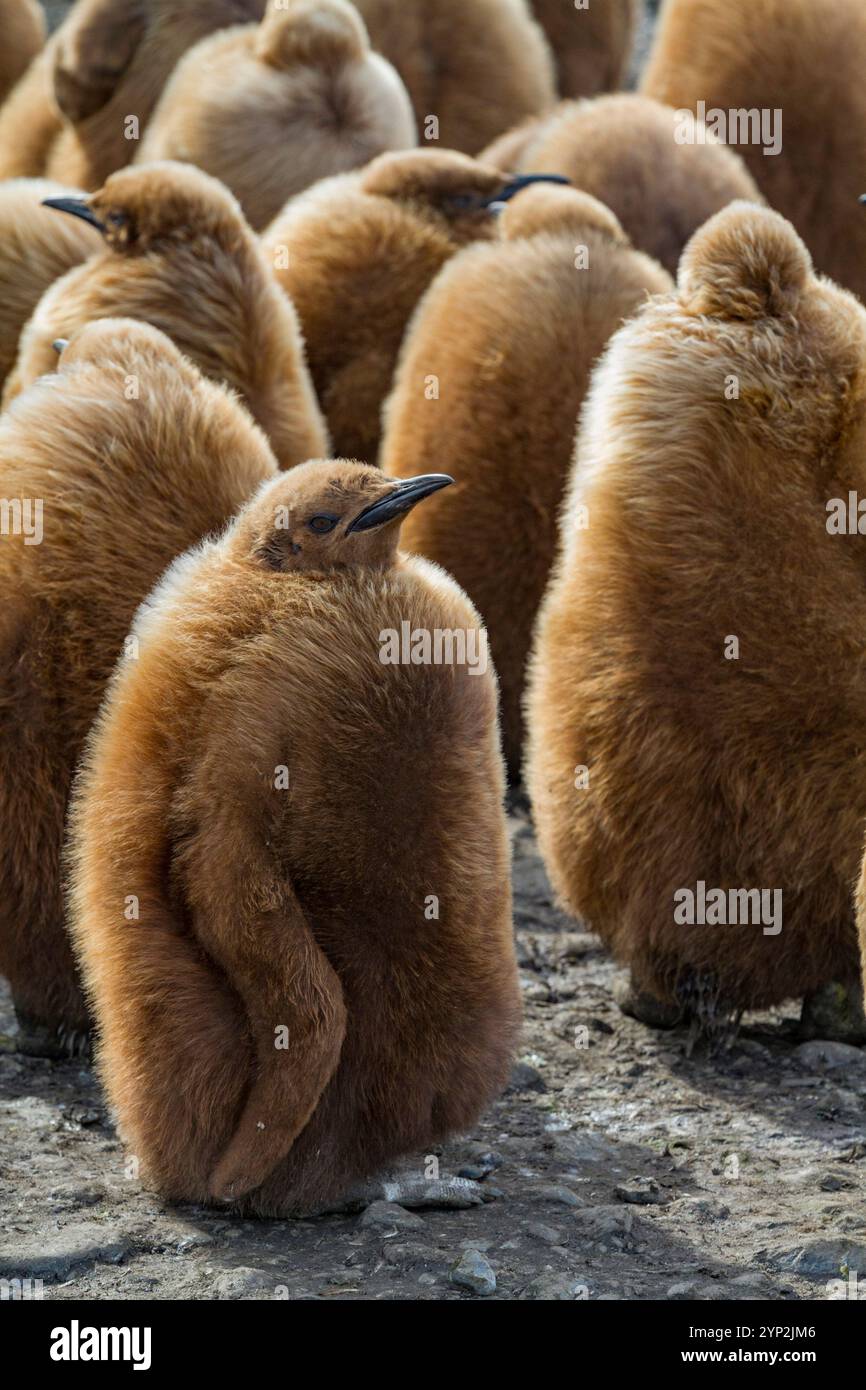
(556,1193)
(821,1259)
(642,1192)
(826,1055)
(525,1078)
(555,1288)
(391,1216)
(474,1272)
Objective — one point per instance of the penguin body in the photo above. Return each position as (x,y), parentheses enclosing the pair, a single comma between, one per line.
(22,24)
(591,44)
(473,68)
(355,254)
(117,463)
(787,80)
(178,254)
(318,844)
(81,108)
(697,709)
(625,150)
(35,250)
(272,108)
(509,332)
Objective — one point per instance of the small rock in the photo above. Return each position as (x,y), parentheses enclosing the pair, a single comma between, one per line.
(549,1234)
(702,1209)
(823,1054)
(556,1193)
(831,1183)
(555,1288)
(821,1259)
(642,1192)
(244,1282)
(390,1215)
(473,1272)
(525,1078)
(684,1290)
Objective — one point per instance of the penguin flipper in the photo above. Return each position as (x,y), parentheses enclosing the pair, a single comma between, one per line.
(297,1018)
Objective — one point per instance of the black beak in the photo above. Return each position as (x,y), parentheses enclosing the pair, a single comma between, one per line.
(520,181)
(399,501)
(76,207)
(59,344)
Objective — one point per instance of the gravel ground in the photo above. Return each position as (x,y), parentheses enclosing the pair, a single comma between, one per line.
(615,1167)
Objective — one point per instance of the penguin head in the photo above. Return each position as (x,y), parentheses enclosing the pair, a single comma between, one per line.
(446,186)
(128,345)
(329,515)
(140,208)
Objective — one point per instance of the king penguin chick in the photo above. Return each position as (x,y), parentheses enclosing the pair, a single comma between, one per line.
(355,254)
(591,44)
(314,829)
(22,24)
(697,706)
(625,151)
(271,108)
(759,62)
(108,470)
(35,250)
(473,68)
(179,254)
(82,105)
(508,332)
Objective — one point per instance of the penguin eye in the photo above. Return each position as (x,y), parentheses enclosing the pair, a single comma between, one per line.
(322,524)
(461,202)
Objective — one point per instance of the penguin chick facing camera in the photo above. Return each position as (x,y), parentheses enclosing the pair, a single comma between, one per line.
(307,804)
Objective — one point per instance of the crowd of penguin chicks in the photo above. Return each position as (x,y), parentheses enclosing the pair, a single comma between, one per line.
(321,322)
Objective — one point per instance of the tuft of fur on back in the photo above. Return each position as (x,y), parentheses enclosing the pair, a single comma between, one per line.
(311,33)
(745,263)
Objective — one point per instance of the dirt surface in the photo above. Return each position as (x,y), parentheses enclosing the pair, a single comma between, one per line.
(615,1167)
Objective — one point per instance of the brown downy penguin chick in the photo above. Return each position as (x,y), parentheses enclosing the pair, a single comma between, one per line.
(356,253)
(783,79)
(591,45)
(623,150)
(179,254)
(509,331)
(473,68)
(108,470)
(697,705)
(22,26)
(312,824)
(36,248)
(69,116)
(271,108)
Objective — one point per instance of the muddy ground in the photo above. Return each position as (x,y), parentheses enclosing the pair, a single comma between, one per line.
(616,1167)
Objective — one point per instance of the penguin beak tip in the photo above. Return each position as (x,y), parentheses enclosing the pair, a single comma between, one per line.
(399,501)
(75,207)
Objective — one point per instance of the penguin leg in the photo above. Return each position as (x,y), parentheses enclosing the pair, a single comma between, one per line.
(297,1019)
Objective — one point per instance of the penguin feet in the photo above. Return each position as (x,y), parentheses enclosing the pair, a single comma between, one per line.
(57,1042)
(410,1191)
(646,1008)
(835,1014)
